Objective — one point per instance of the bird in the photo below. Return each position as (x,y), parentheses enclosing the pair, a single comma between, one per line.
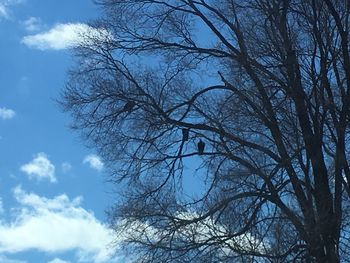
(185,133)
(129,106)
(201,146)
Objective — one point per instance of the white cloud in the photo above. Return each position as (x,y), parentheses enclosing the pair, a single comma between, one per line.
(94,161)
(66,167)
(64,36)
(40,168)
(55,226)
(58,260)
(6,113)
(32,24)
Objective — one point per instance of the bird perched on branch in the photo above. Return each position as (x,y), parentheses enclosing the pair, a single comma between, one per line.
(185,133)
(201,146)
(129,106)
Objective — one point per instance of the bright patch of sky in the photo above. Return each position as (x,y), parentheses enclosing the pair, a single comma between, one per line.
(52,189)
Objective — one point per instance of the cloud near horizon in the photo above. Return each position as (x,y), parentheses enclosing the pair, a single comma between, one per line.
(65,36)
(40,168)
(54,225)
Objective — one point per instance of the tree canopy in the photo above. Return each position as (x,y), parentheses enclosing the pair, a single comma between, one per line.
(251,96)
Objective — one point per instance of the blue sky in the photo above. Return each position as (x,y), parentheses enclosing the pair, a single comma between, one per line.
(52,189)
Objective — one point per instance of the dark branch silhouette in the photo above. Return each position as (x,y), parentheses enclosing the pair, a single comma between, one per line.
(249,101)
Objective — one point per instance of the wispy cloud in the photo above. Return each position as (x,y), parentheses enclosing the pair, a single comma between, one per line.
(5,6)
(40,168)
(66,167)
(6,113)
(3,10)
(32,24)
(64,36)
(43,224)
(94,162)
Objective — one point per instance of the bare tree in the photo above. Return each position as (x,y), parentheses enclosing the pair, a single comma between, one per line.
(251,96)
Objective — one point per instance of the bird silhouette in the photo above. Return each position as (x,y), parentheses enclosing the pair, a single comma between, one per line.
(128,106)
(201,146)
(185,133)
